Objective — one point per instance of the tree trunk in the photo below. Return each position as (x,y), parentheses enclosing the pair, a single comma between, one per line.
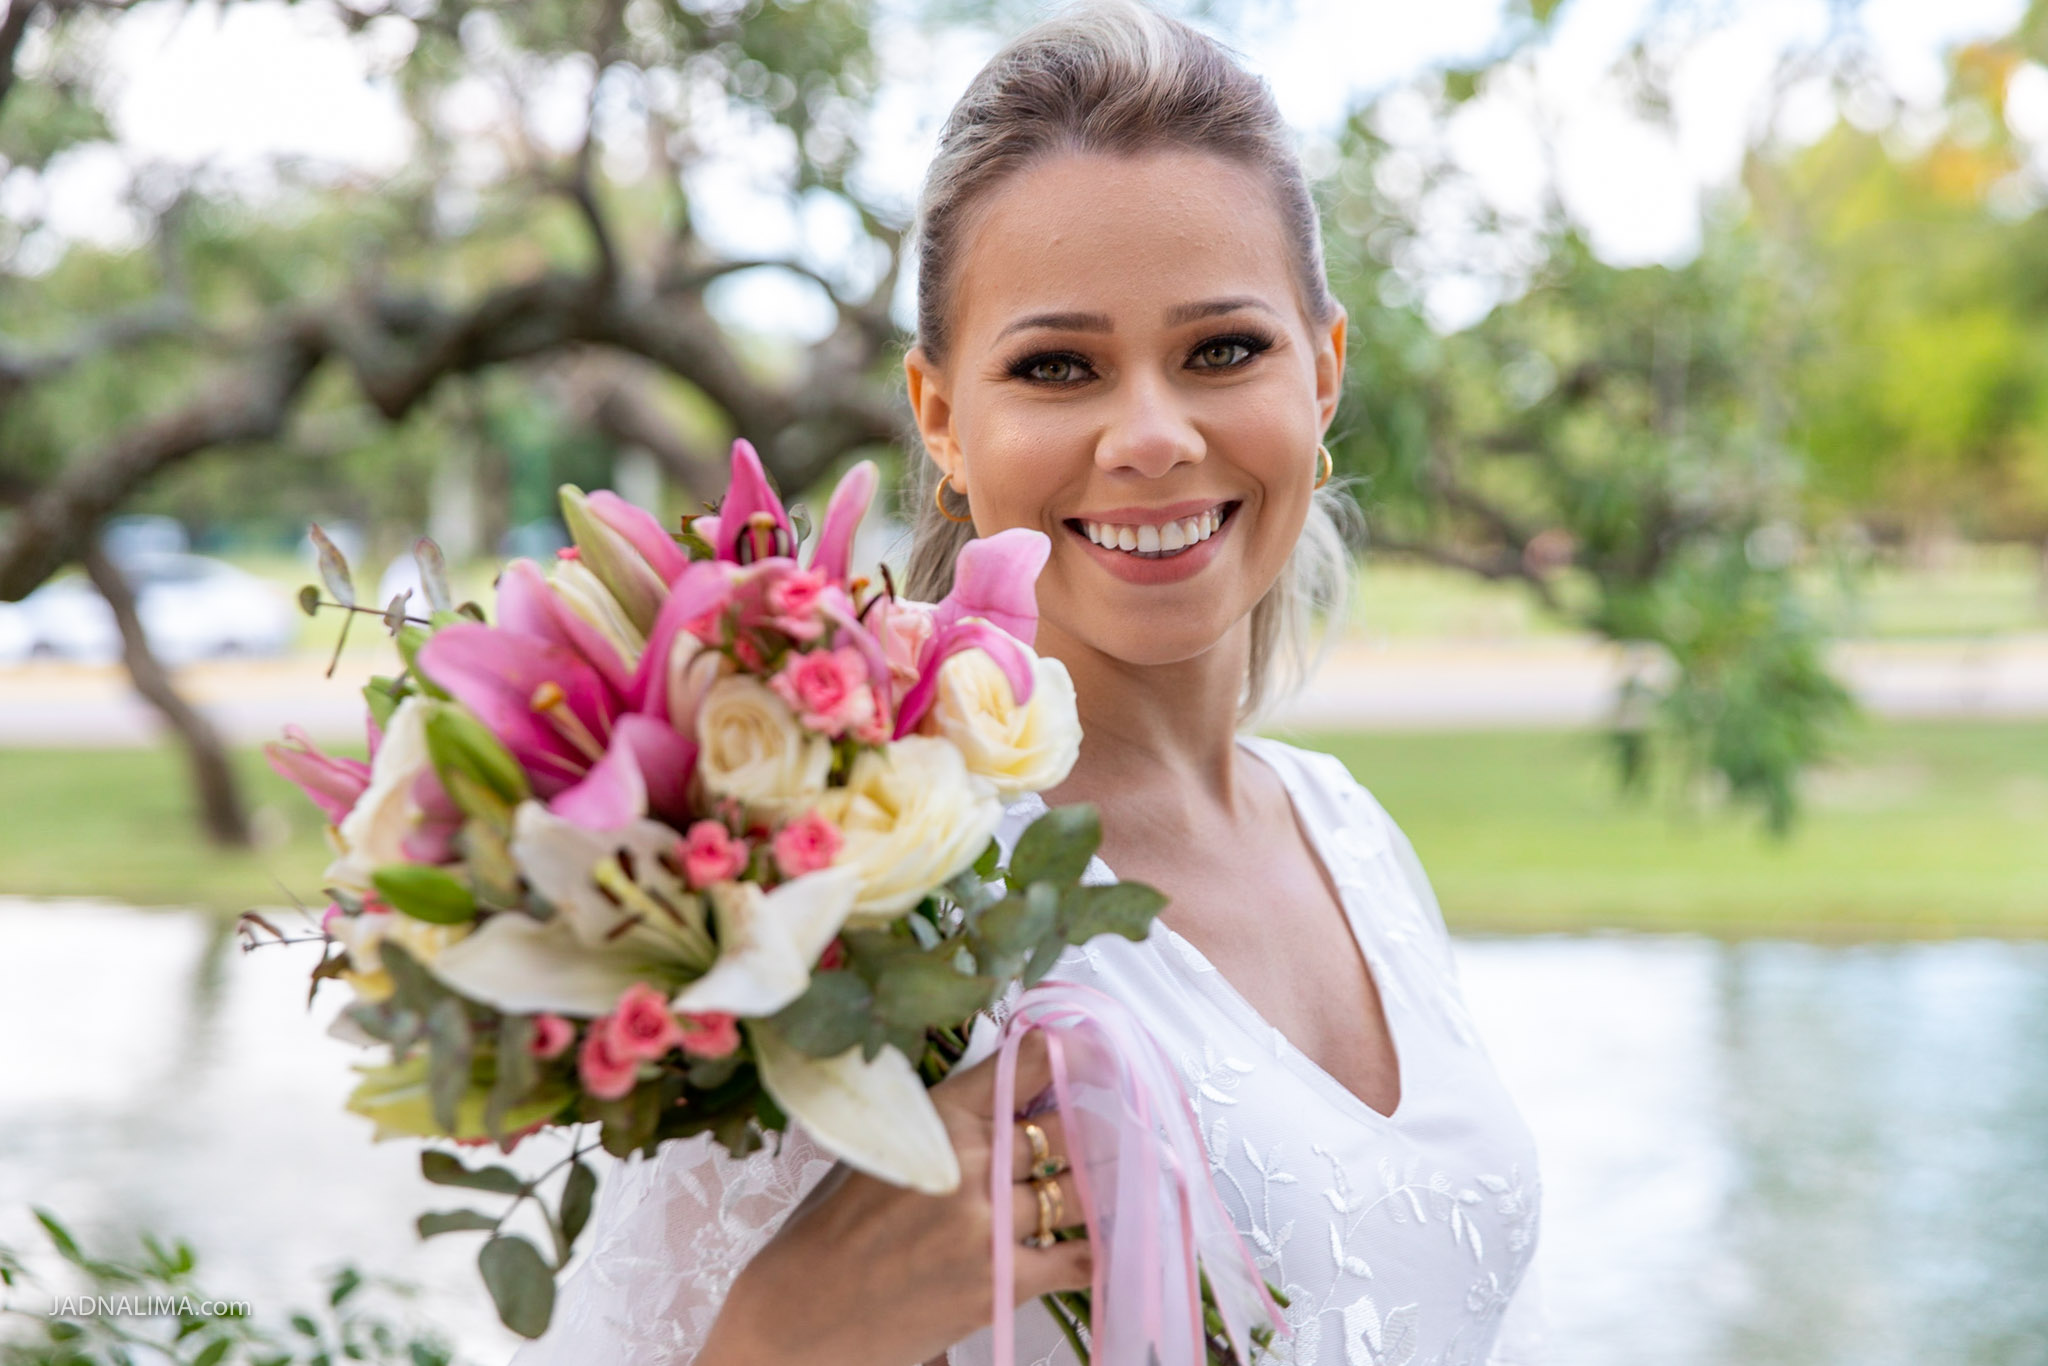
(222,814)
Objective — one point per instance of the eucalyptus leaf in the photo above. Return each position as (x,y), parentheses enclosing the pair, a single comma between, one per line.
(579,1192)
(1125,908)
(521,1284)
(450,1047)
(416,989)
(453,1221)
(925,991)
(1057,846)
(830,1017)
(516,1072)
(445,1169)
(309,600)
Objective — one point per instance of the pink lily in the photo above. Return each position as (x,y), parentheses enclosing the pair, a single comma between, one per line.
(749,493)
(332,783)
(703,589)
(433,839)
(549,707)
(615,557)
(834,546)
(967,633)
(641,530)
(997,577)
(647,768)
(529,605)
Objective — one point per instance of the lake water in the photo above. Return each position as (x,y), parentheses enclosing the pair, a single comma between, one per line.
(1754,1153)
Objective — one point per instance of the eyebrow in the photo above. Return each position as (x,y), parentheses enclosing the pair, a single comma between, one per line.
(1100,322)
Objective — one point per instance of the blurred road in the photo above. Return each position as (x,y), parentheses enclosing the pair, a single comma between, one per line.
(1368,685)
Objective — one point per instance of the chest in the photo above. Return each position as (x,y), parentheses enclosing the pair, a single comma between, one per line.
(1263,911)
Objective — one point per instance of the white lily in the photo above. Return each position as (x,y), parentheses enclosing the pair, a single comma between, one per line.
(623,915)
(874,1114)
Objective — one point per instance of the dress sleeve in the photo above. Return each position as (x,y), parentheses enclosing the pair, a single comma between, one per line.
(669,1237)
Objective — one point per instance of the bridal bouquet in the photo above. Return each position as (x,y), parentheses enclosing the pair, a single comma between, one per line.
(696,837)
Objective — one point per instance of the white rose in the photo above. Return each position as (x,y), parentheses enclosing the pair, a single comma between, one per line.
(1020,749)
(751,747)
(912,816)
(373,833)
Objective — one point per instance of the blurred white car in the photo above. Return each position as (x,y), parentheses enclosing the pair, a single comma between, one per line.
(191,607)
(17,638)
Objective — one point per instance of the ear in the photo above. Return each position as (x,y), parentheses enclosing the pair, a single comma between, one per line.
(1330,366)
(932,408)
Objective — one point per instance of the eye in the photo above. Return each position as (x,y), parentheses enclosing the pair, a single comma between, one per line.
(1051,367)
(1227,353)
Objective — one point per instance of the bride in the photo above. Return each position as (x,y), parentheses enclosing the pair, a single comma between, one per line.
(1126,341)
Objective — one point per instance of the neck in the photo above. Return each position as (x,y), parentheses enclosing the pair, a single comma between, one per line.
(1156,738)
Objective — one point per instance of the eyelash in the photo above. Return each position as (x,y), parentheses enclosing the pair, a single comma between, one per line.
(1254,343)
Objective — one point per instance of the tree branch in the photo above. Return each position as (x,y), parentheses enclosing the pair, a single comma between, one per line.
(1500,567)
(13,29)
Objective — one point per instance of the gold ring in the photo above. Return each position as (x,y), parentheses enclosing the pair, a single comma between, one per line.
(1044,1166)
(1050,1209)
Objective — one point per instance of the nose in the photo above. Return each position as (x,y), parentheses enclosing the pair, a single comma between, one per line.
(1149,432)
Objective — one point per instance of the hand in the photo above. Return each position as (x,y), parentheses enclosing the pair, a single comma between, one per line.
(866,1272)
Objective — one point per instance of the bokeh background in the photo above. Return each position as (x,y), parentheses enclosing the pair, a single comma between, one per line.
(1699,397)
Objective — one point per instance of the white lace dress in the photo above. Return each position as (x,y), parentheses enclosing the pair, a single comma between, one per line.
(1400,1240)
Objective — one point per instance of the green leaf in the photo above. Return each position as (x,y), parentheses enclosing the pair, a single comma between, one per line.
(425,893)
(416,989)
(450,1047)
(1125,908)
(915,993)
(411,640)
(213,1353)
(309,600)
(458,743)
(433,574)
(305,1326)
(521,1285)
(1003,936)
(333,567)
(516,1072)
(445,1169)
(991,858)
(1057,846)
(830,1017)
(453,1221)
(579,1192)
(346,1282)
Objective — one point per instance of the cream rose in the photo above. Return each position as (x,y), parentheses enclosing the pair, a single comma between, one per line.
(912,816)
(750,747)
(1019,749)
(373,833)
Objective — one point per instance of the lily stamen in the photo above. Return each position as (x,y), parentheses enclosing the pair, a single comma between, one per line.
(549,701)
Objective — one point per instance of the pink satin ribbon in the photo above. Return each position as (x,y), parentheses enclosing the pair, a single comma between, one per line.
(1142,1175)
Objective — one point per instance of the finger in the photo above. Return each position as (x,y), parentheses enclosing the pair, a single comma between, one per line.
(1055,1131)
(977,1085)
(1066,1207)
(1067,1265)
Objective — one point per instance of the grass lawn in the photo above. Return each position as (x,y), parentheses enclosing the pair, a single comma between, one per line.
(1923,830)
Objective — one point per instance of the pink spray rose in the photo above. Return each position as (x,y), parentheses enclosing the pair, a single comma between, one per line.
(710,854)
(641,1026)
(608,1073)
(711,1034)
(827,689)
(806,844)
(552,1036)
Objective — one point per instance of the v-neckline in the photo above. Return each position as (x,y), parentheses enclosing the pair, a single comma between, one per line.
(1374,963)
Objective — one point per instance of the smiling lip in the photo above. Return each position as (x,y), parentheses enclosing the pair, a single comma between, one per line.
(1172,569)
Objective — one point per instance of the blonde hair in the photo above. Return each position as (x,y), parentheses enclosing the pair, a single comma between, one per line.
(1115,76)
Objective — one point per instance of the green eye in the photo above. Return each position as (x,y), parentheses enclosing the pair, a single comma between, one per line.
(1221,355)
(1053,370)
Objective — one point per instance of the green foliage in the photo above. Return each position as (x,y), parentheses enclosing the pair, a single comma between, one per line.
(184,1324)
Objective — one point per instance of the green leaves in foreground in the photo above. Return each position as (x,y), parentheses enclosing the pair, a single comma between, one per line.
(519,1276)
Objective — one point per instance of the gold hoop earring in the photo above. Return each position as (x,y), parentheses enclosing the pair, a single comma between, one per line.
(939,497)
(1324,462)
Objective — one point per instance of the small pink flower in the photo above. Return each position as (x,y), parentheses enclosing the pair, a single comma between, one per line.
(568,552)
(903,627)
(748,654)
(791,599)
(608,1073)
(827,689)
(552,1036)
(806,844)
(710,854)
(641,1026)
(712,1034)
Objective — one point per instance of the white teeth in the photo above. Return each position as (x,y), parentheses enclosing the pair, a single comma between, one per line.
(1163,539)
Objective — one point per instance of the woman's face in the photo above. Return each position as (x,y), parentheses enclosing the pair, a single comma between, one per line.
(1131,366)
